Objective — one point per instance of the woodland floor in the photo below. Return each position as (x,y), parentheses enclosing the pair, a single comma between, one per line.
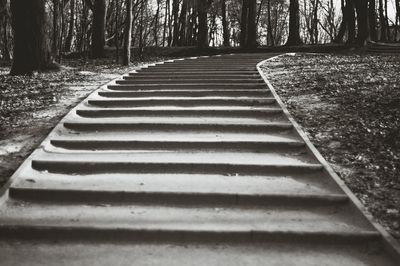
(30,106)
(349,106)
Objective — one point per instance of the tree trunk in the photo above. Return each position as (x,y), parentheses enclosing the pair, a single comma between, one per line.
(165,23)
(225,27)
(62,27)
(127,34)
(372,19)
(270,37)
(251,41)
(141,28)
(31,47)
(182,24)
(294,24)
(99,28)
(397,18)
(202,40)
(382,22)
(116,29)
(388,35)
(343,25)
(362,22)
(315,21)
(56,30)
(156,23)
(68,40)
(351,23)
(4,33)
(175,16)
(169,24)
(243,23)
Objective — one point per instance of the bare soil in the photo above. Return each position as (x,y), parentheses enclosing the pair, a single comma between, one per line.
(31,106)
(349,106)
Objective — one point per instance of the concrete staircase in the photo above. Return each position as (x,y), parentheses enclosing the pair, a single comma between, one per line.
(190,162)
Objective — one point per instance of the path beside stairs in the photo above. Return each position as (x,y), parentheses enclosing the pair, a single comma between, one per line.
(190,162)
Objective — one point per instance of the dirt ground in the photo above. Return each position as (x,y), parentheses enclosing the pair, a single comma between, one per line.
(30,106)
(349,106)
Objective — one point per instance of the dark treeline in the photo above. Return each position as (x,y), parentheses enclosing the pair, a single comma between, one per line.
(34,33)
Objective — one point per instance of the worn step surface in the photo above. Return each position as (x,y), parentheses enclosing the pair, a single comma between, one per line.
(187,162)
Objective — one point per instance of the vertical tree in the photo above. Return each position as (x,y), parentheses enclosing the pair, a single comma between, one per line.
(382,22)
(156,23)
(397,3)
(4,34)
(372,19)
(362,21)
(225,27)
(348,22)
(71,26)
(243,22)
(270,36)
(182,24)
(315,21)
(294,24)
(141,27)
(56,29)
(31,46)
(127,34)
(251,25)
(248,27)
(175,17)
(202,10)
(98,27)
(165,22)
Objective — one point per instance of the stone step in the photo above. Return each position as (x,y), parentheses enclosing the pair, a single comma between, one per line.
(177,198)
(178,134)
(172,68)
(168,222)
(123,85)
(188,120)
(175,82)
(203,71)
(91,164)
(186,112)
(184,101)
(181,127)
(255,146)
(185,93)
(132,80)
(191,75)
(185,252)
(225,186)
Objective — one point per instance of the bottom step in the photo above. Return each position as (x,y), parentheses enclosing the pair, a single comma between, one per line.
(267,254)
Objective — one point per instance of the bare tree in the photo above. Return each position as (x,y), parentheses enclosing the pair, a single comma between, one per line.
(382,22)
(31,40)
(127,34)
(294,24)
(202,10)
(4,30)
(99,27)
(225,29)
(71,26)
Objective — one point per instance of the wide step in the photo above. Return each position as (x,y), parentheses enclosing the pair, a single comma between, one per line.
(190,253)
(169,221)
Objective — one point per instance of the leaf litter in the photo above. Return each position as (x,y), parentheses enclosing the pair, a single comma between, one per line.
(349,106)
